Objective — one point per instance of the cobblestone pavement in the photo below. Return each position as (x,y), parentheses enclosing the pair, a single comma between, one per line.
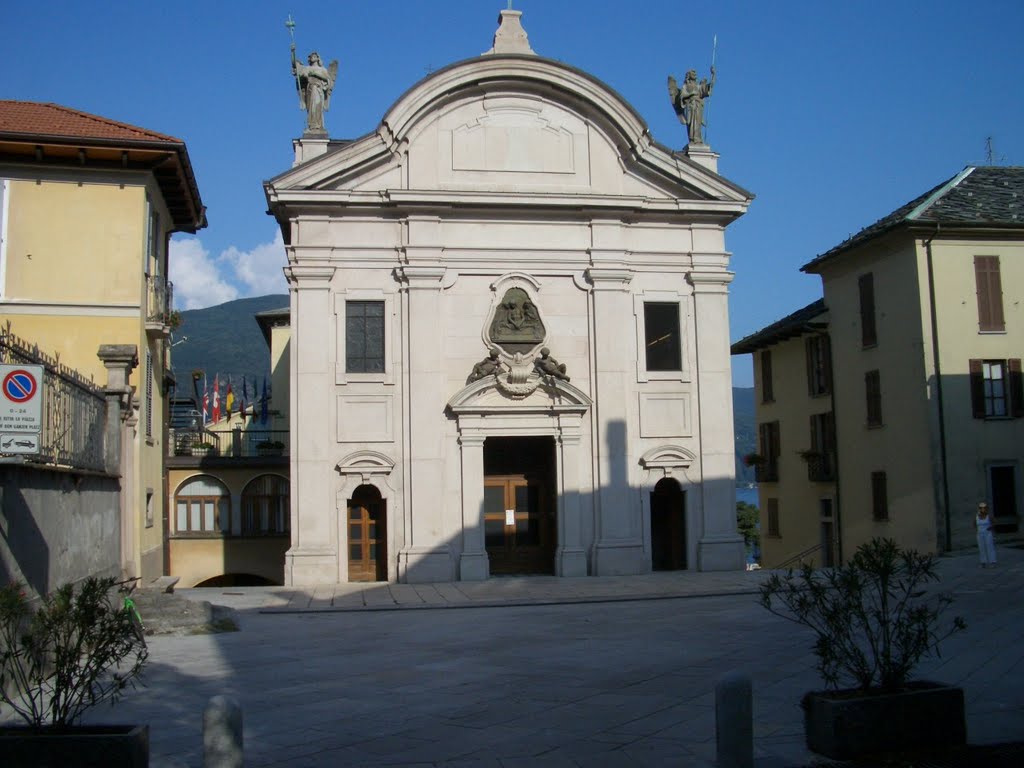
(536,671)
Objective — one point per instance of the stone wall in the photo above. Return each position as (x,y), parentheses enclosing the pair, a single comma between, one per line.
(57,525)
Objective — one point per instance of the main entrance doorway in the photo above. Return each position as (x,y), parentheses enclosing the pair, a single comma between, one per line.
(519,504)
(367,536)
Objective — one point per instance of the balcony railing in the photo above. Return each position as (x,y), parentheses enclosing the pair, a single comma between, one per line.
(767,471)
(821,467)
(231,443)
(159,300)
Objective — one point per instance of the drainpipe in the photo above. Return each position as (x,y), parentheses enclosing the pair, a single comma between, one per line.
(948,528)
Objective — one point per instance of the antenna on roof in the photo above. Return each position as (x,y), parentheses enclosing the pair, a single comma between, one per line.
(990,153)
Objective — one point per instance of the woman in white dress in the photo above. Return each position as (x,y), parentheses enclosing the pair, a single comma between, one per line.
(986,545)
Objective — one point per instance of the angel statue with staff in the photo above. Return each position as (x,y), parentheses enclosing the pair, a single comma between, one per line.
(314,82)
(688,102)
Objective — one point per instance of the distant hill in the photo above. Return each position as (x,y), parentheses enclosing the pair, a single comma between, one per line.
(226,340)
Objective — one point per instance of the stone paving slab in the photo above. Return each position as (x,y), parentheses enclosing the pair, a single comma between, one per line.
(581,672)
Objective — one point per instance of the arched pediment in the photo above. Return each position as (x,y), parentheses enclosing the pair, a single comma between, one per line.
(667,458)
(365,463)
(507,124)
(549,396)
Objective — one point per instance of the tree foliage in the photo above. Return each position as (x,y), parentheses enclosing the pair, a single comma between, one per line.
(747,523)
(874,618)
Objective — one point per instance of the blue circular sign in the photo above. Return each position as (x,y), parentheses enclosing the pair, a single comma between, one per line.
(20,386)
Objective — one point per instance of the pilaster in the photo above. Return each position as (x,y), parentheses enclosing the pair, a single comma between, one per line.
(473,563)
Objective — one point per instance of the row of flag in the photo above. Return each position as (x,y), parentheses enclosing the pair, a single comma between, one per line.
(212,406)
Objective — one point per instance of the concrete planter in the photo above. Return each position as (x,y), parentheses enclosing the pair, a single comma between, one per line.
(844,725)
(80,746)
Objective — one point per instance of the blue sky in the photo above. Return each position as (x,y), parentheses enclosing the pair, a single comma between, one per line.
(832,114)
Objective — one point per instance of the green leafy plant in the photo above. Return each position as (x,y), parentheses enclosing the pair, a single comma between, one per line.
(873,617)
(747,519)
(270,445)
(753,459)
(76,650)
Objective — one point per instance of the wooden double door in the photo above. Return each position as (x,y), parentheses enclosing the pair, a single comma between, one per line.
(367,536)
(519,525)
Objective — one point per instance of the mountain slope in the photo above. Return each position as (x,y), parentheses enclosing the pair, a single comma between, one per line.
(224,340)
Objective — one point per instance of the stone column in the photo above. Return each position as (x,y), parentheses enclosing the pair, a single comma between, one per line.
(473,564)
(118,445)
(619,548)
(720,547)
(313,557)
(426,556)
(570,558)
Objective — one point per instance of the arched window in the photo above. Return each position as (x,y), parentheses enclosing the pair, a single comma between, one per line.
(202,508)
(265,507)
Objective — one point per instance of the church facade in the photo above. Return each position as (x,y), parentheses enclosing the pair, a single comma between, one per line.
(510,337)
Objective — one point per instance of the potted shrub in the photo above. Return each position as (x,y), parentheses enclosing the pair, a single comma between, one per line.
(77,649)
(269,448)
(874,621)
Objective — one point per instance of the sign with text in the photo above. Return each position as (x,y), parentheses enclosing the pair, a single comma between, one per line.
(21,408)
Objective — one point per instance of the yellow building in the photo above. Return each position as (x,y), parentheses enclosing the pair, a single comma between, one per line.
(228,484)
(87,206)
(926,330)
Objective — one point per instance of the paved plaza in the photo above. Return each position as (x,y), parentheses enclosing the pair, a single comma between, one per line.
(536,671)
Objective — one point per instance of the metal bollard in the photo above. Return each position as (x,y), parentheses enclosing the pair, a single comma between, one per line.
(734,721)
(222,733)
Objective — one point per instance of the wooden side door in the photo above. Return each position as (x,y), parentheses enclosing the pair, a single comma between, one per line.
(367,537)
(518,529)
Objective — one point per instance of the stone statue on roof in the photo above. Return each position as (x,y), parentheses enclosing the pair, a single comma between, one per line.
(688,102)
(314,82)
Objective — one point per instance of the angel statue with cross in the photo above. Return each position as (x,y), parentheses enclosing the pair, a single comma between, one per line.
(314,82)
(688,101)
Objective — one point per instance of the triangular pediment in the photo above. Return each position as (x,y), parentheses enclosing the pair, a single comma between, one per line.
(509,130)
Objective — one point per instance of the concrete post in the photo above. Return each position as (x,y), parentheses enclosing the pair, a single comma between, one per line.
(734,721)
(222,733)
(119,360)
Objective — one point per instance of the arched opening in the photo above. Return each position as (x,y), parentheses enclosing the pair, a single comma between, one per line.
(202,507)
(668,526)
(265,507)
(237,580)
(367,535)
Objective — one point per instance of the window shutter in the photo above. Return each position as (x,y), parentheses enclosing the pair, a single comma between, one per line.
(977,389)
(990,293)
(1016,388)
(809,354)
(868,334)
(879,496)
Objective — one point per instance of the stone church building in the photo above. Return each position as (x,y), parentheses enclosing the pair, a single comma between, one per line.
(510,335)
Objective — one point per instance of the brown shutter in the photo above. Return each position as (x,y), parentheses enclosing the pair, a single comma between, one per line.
(977,389)
(879,496)
(1016,388)
(990,293)
(868,334)
(826,353)
(809,355)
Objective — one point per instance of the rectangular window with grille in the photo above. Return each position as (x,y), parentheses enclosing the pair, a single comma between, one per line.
(868,331)
(364,336)
(771,448)
(879,496)
(819,369)
(990,294)
(873,398)
(997,389)
(661,332)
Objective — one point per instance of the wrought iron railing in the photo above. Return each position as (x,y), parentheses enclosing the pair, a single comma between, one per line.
(73,408)
(236,443)
(821,467)
(767,471)
(159,299)
(798,558)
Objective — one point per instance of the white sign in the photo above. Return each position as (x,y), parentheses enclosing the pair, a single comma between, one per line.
(21,408)
(510,517)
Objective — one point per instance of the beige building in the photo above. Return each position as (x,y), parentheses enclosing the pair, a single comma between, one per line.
(87,205)
(796,461)
(509,350)
(926,333)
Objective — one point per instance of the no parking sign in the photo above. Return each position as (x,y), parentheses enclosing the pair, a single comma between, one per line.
(21,408)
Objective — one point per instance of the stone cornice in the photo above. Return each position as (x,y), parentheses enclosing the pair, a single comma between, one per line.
(310,275)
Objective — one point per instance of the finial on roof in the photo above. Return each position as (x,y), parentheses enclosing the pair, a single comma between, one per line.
(510,37)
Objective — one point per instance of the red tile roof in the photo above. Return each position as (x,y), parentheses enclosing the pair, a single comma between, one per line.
(40,119)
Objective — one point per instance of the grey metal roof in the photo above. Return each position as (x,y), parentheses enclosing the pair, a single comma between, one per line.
(791,325)
(979,196)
